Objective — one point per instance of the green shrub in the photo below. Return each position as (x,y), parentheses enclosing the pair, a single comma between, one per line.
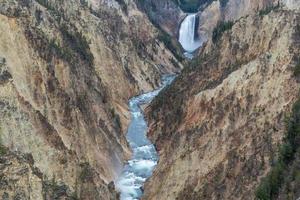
(296,176)
(268,9)
(263,191)
(188,6)
(54,190)
(223,3)
(74,45)
(297,69)
(78,43)
(46,4)
(86,173)
(3,150)
(286,152)
(84,3)
(123,5)
(220,29)
(276,178)
(62,52)
(195,62)
(269,187)
(170,44)
(2,61)
(116,119)
(191,6)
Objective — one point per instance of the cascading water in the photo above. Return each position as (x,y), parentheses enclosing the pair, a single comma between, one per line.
(144,157)
(187,34)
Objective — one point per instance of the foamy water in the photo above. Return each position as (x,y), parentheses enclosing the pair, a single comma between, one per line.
(144,158)
(187,34)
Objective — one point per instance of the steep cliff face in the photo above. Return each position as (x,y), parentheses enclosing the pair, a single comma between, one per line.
(165,14)
(67,70)
(228,10)
(168,15)
(217,126)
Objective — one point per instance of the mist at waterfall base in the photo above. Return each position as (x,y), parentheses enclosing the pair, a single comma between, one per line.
(187,35)
(144,158)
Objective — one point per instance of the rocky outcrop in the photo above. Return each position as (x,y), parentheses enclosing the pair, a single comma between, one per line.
(232,10)
(20,179)
(217,126)
(168,15)
(291,4)
(229,10)
(67,70)
(165,14)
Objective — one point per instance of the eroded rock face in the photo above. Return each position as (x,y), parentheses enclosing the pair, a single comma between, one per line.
(217,127)
(230,10)
(165,14)
(291,4)
(67,70)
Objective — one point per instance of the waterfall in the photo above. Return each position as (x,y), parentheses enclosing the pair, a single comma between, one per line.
(187,34)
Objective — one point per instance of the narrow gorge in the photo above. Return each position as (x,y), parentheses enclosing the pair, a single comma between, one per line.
(149,99)
(144,157)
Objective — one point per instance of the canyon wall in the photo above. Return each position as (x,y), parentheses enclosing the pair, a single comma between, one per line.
(67,70)
(230,10)
(218,126)
(168,16)
(165,14)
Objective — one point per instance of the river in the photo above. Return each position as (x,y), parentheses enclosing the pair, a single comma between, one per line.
(144,157)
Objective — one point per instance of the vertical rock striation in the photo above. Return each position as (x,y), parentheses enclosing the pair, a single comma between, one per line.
(217,126)
(67,70)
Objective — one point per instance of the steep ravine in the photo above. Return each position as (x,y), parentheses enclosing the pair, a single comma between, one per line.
(144,159)
(216,128)
(69,68)
(168,15)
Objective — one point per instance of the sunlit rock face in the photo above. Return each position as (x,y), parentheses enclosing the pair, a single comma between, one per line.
(234,9)
(67,71)
(230,11)
(165,14)
(291,4)
(218,125)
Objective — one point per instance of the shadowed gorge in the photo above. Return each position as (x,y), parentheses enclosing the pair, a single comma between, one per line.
(144,158)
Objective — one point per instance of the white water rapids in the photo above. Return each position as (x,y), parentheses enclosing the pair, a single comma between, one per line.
(144,157)
(187,34)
